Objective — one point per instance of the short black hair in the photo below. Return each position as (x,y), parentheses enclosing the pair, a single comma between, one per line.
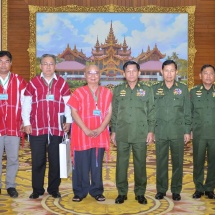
(206,66)
(48,55)
(168,62)
(6,53)
(131,62)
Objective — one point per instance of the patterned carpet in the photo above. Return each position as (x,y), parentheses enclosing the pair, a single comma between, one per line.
(46,205)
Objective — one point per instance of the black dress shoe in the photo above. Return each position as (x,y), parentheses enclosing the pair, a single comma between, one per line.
(56,194)
(210,194)
(120,199)
(197,194)
(12,192)
(160,195)
(176,197)
(34,195)
(141,199)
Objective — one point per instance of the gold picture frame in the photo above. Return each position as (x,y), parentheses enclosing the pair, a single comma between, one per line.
(190,10)
(4,24)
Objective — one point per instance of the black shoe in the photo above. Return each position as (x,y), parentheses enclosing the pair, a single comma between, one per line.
(141,199)
(160,195)
(176,197)
(56,194)
(210,194)
(34,195)
(120,199)
(197,194)
(12,192)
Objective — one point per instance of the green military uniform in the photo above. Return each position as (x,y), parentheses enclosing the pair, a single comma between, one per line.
(132,118)
(173,120)
(203,127)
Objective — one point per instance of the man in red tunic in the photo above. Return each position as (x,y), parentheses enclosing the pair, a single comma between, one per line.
(91,112)
(11,90)
(45,99)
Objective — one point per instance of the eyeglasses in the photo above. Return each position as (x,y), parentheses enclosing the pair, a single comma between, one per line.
(7,62)
(90,73)
(48,64)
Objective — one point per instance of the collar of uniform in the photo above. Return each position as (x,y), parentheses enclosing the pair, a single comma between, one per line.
(3,80)
(137,85)
(174,84)
(202,87)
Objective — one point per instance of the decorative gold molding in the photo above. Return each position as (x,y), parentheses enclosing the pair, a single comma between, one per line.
(190,10)
(4,24)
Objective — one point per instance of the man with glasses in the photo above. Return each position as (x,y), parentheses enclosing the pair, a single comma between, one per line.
(172,129)
(91,112)
(203,115)
(45,98)
(11,94)
(132,127)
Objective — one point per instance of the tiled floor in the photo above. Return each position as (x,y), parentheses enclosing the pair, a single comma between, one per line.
(46,205)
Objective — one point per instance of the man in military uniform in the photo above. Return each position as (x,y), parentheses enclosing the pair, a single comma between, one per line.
(172,129)
(203,114)
(132,127)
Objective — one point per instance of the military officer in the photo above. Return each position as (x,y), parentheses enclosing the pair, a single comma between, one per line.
(203,114)
(172,129)
(132,127)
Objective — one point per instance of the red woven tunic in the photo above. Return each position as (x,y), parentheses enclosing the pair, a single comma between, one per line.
(10,110)
(44,113)
(83,101)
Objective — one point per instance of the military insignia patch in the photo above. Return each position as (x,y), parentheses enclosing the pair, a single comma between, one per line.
(141,92)
(198,93)
(160,92)
(122,93)
(213,93)
(177,91)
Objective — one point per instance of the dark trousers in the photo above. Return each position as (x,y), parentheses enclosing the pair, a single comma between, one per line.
(204,150)
(176,148)
(87,172)
(38,154)
(139,160)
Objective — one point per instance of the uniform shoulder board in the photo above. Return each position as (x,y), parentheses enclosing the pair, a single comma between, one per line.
(194,87)
(181,82)
(155,83)
(146,83)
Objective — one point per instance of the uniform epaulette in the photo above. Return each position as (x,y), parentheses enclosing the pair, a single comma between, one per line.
(146,83)
(181,82)
(155,83)
(194,87)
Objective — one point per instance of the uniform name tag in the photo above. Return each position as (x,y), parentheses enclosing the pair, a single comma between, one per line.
(96,113)
(4,96)
(50,97)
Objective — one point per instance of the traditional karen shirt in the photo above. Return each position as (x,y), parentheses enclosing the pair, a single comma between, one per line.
(45,108)
(10,108)
(83,101)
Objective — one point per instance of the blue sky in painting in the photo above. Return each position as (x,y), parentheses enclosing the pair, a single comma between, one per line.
(168,30)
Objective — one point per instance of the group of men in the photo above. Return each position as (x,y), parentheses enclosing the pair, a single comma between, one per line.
(165,113)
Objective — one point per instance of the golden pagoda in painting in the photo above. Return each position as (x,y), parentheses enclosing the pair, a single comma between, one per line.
(111,55)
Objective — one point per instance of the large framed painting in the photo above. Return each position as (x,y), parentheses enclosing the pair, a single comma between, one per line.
(110,35)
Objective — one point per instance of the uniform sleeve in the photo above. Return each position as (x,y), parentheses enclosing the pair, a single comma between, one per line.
(151,111)
(187,112)
(192,107)
(114,110)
